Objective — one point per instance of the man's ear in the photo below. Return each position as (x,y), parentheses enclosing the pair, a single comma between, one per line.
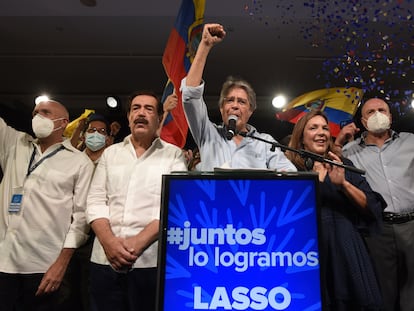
(65,123)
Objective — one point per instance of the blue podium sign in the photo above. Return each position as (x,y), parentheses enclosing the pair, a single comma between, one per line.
(239,242)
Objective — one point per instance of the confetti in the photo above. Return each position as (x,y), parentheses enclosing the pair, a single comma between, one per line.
(371,41)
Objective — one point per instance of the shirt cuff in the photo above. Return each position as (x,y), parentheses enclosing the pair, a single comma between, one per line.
(191,92)
(95,212)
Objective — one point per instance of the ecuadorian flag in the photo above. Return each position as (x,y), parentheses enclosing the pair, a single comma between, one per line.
(339,104)
(178,56)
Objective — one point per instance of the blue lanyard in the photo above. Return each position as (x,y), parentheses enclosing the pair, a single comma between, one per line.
(31,168)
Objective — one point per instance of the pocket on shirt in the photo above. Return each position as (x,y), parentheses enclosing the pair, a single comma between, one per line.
(253,154)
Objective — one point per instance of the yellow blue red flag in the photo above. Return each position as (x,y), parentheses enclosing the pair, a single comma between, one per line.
(339,104)
(178,56)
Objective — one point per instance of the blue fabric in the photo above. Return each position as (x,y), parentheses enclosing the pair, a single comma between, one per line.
(350,280)
(389,171)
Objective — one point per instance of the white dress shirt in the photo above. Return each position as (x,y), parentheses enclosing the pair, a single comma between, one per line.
(52,213)
(126,189)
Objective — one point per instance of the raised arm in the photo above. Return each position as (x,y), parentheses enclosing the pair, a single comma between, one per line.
(212,34)
(346,134)
(169,104)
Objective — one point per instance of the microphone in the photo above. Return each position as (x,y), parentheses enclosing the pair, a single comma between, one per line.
(231,127)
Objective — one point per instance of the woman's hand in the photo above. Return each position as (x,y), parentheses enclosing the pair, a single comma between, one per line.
(336,173)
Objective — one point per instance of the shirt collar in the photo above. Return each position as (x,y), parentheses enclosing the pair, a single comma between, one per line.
(156,143)
(394,135)
(250,129)
(65,143)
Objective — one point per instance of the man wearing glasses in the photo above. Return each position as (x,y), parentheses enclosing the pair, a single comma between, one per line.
(221,145)
(96,136)
(93,134)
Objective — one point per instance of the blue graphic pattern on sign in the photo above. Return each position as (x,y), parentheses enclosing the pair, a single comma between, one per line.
(242,245)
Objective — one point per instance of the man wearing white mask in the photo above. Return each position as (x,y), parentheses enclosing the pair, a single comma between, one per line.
(42,218)
(388,159)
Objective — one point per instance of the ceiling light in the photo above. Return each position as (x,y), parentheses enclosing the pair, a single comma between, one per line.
(112,102)
(41,98)
(279,101)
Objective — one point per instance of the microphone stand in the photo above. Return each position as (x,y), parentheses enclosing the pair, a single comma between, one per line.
(307,155)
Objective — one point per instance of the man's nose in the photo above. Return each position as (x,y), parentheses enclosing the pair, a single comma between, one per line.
(141,111)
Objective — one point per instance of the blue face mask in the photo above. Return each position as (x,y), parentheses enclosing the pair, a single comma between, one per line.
(95,141)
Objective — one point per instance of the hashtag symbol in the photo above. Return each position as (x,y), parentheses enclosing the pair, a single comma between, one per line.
(175,235)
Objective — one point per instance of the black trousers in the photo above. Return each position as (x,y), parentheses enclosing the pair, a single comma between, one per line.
(77,292)
(393,256)
(17,293)
(131,291)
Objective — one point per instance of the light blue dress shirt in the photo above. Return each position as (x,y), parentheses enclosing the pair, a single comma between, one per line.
(216,151)
(389,169)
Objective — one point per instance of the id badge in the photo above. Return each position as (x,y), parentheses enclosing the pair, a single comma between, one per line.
(16,201)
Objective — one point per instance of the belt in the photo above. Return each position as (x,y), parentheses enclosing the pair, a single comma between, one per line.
(395,218)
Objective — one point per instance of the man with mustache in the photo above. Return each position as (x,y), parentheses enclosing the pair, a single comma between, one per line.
(124,208)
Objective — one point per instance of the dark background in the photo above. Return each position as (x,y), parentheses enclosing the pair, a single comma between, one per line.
(79,54)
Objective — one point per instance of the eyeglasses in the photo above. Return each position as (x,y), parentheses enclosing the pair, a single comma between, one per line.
(232,99)
(95,129)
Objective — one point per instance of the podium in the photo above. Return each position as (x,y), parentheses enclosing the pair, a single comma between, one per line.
(239,240)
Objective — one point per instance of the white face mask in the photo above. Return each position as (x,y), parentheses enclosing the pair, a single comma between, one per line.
(95,141)
(42,126)
(378,122)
